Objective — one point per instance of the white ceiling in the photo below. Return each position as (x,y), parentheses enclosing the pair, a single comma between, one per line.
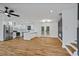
(38,11)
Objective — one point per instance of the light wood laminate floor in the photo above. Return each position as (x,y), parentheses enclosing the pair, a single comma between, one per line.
(38,46)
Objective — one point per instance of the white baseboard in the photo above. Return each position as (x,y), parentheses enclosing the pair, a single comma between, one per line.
(60,40)
(68,51)
(1,40)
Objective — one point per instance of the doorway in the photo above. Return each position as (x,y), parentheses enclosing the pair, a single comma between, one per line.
(45,30)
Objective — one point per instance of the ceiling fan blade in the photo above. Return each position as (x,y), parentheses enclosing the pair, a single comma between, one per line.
(15,15)
(10,11)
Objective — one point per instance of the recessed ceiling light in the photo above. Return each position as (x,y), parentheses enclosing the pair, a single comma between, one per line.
(46,20)
(43,20)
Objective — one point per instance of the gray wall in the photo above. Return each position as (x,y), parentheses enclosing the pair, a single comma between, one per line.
(69,20)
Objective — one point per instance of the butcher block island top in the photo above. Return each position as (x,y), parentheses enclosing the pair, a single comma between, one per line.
(37,46)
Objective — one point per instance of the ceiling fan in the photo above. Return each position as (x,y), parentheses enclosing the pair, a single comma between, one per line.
(9,12)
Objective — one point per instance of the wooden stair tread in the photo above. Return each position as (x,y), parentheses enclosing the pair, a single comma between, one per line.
(70,48)
(74,44)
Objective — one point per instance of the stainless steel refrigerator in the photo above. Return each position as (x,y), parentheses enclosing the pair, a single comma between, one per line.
(7,32)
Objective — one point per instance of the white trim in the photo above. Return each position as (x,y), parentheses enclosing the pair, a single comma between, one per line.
(60,40)
(69,51)
(1,40)
(75,42)
(63,46)
(73,47)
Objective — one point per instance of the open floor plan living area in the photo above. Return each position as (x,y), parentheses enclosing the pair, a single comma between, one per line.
(39,29)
